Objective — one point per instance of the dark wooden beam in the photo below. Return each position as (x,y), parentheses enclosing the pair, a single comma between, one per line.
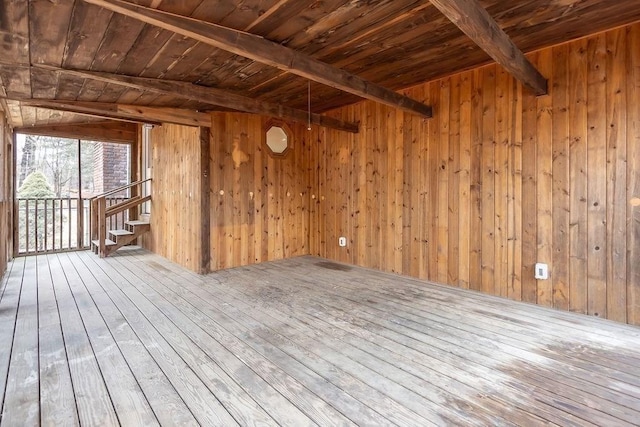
(267,52)
(205,202)
(479,26)
(212,96)
(66,106)
(179,116)
(125,112)
(109,131)
(4,107)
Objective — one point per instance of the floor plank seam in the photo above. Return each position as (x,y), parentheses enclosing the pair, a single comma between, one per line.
(89,293)
(196,308)
(135,339)
(105,290)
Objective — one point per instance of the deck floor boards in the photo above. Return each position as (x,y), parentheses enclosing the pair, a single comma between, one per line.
(136,340)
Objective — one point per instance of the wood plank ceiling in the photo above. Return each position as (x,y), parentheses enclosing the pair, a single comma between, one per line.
(392,43)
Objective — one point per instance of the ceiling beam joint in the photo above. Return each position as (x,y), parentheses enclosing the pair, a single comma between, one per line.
(210,96)
(470,17)
(267,52)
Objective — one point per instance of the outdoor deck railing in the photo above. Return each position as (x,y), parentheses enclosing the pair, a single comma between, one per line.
(56,224)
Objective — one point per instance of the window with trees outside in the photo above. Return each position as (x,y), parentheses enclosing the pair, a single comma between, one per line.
(55,180)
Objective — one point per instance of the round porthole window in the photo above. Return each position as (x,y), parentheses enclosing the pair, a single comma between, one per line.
(278,139)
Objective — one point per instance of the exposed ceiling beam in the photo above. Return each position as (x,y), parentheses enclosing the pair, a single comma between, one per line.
(179,116)
(4,108)
(479,26)
(267,52)
(132,113)
(96,131)
(212,96)
(64,106)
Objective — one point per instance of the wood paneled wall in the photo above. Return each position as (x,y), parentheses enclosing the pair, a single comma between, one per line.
(6,193)
(499,180)
(176,211)
(259,203)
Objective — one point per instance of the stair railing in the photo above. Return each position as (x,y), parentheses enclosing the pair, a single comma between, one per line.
(100,212)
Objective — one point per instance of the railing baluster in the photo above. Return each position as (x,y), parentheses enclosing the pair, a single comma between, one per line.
(94,219)
(46,229)
(69,220)
(111,219)
(35,228)
(85,223)
(53,224)
(26,221)
(61,223)
(102,229)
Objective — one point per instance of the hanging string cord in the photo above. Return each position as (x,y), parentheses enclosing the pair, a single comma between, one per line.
(309,103)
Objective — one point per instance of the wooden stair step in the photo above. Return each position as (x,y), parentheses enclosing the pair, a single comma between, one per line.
(107,242)
(120,232)
(135,222)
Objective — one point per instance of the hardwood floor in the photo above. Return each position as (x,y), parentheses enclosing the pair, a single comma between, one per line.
(135,340)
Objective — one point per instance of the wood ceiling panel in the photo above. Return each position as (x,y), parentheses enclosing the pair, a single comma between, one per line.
(48,25)
(14,32)
(16,81)
(15,78)
(28,116)
(129,96)
(148,98)
(169,46)
(14,113)
(86,30)
(361,29)
(177,50)
(395,43)
(69,87)
(43,116)
(296,18)
(195,69)
(228,71)
(91,90)
(246,14)
(111,93)
(117,40)
(182,58)
(43,83)
(413,61)
(144,50)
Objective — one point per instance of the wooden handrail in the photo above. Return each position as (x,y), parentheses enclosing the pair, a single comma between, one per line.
(119,189)
(128,204)
(100,212)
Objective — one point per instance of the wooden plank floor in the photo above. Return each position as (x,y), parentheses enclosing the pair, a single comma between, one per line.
(136,340)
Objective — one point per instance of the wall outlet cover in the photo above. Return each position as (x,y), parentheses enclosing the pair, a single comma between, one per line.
(541,271)
(342,241)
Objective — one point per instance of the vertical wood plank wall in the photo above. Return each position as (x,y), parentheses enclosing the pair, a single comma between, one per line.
(6,193)
(175,207)
(259,203)
(497,181)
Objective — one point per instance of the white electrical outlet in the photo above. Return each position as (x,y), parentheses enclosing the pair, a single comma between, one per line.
(542,271)
(342,241)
